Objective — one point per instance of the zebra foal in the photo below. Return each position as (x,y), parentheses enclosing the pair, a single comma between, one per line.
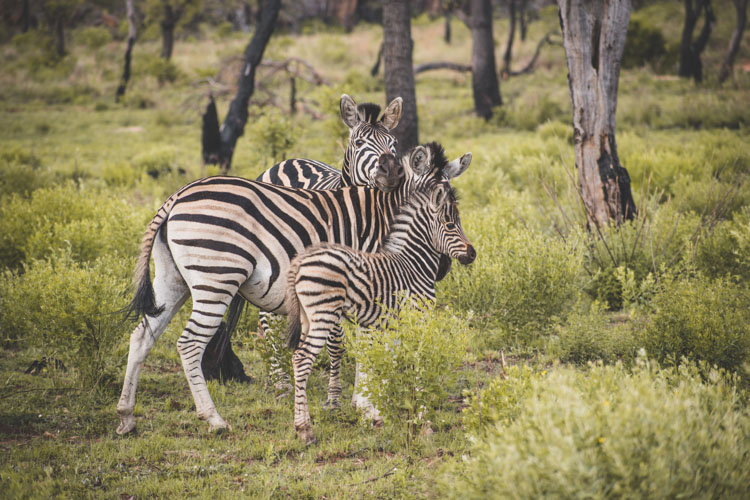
(328,282)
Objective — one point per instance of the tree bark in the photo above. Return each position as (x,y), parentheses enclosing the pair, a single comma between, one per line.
(522,18)
(234,122)
(594,39)
(128,51)
(171,16)
(25,17)
(447,33)
(511,34)
(60,36)
(734,44)
(399,73)
(690,50)
(483,70)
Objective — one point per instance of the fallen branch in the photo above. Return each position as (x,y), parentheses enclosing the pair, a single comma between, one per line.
(530,66)
(388,473)
(420,68)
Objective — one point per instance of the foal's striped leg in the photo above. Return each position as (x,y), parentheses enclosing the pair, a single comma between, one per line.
(280,379)
(335,347)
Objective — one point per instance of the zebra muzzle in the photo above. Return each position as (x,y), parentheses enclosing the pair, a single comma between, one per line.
(469,256)
(388,173)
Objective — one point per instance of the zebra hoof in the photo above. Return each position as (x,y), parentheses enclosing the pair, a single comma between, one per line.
(127,426)
(305,433)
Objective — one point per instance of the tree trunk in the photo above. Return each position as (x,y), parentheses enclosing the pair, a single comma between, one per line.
(594,39)
(167,31)
(60,36)
(399,73)
(690,50)
(734,44)
(483,70)
(511,35)
(25,17)
(447,34)
(128,51)
(522,18)
(234,122)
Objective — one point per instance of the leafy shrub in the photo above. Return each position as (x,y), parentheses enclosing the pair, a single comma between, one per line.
(644,44)
(521,281)
(224,30)
(153,65)
(40,58)
(157,161)
(87,223)
(273,133)
(727,250)
(592,336)
(20,172)
(69,311)
(611,433)
(93,37)
(500,401)
(700,319)
(410,364)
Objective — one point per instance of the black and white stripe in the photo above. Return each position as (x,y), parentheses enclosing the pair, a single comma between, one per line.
(330,281)
(222,236)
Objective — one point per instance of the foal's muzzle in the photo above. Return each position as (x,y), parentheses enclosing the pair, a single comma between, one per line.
(469,256)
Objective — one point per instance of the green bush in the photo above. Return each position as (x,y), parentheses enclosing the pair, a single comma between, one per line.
(411,364)
(273,133)
(93,37)
(152,65)
(611,433)
(157,161)
(70,311)
(85,222)
(521,281)
(499,401)
(700,319)
(21,172)
(726,251)
(593,336)
(644,44)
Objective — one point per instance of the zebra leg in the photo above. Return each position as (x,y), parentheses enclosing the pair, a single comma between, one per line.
(280,379)
(170,291)
(208,311)
(316,328)
(335,353)
(359,400)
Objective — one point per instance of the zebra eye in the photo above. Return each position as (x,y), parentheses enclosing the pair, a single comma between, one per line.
(359,143)
(450,226)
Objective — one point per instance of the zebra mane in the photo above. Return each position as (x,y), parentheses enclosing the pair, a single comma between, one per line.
(369,112)
(439,160)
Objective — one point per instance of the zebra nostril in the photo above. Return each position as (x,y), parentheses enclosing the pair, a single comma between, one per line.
(469,256)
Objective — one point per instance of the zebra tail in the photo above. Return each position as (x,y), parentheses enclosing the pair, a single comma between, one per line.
(294,321)
(144,300)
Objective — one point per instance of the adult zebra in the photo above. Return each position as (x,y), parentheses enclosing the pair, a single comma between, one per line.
(328,282)
(220,236)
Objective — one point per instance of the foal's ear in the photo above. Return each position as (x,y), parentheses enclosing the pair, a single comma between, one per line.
(457,166)
(419,160)
(392,113)
(349,111)
(439,195)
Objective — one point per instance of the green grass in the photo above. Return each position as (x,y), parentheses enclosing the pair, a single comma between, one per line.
(530,293)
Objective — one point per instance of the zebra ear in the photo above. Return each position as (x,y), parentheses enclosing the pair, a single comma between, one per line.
(439,196)
(419,160)
(392,113)
(457,166)
(349,111)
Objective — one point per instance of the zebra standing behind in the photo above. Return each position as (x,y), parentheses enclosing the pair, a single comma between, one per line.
(328,281)
(222,236)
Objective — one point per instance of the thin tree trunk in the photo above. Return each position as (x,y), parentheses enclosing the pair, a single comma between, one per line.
(129,51)
(399,73)
(447,34)
(690,50)
(594,39)
(511,36)
(734,44)
(522,17)
(484,74)
(234,123)
(60,36)
(25,17)
(171,16)
(376,67)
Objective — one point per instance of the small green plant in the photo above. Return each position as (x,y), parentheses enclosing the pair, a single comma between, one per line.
(500,400)
(153,65)
(69,311)
(93,37)
(644,44)
(702,320)
(273,134)
(609,432)
(411,364)
(592,335)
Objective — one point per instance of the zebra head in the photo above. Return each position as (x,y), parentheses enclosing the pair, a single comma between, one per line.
(445,224)
(370,158)
(427,160)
